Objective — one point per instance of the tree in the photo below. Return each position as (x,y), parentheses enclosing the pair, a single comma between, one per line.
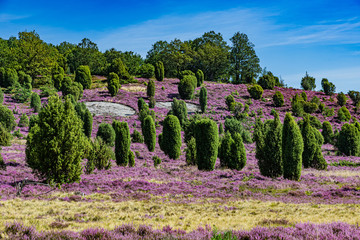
(199,77)
(203,99)
(224,152)
(117,66)
(146,70)
(5,136)
(171,137)
(341,99)
(308,82)
(59,131)
(244,61)
(327,132)
(35,102)
(238,153)
(255,91)
(7,118)
(150,91)
(328,87)
(267,82)
(113,84)
(122,142)
(83,76)
(348,141)
(355,97)
(179,109)
(149,132)
(106,133)
(186,87)
(292,148)
(278,99)
(310,143)
(57,75)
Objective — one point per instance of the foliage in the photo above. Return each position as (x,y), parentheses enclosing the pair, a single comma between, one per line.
(233,125)
(72,88)
(146,70)
(207,140)
(230,102)
(171,137)
(341,99)
(141,104)
(25,80)
(100,156)
(224,152)
(7,118)
(310,107)
(159,71)
(297,105)
(8,77)
(150,91)
(117,66)
(2,164)
(20,93)
(355,97)
(348,141)
(278,99)
(57,76)
(113,84)
(59,131)
(191,152)
(1,96)
(327,132)
(5,136)
(203,99)
(343,114)
(238,153)
(308,82)
(83,76)
(33,120)
(149,132)
(186,87)
(156,160)
(85,116)
(199,77)
(328,87)
(131,158)
(267,81)
(122,142)
(24,120)
(255,91)
(136,137)
(182,74)
(292,148)
(107,133)
(179,109)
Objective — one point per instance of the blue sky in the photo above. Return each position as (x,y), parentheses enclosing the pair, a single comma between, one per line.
(321,37)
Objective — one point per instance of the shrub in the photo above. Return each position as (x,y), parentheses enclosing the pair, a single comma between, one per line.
(310,143)
(348,141)
(179,110)
(199,77)
(24,121)
(83,76)
(35,102)
(308,83)
(113,84)
(107,133)
(122,142)
(328,87)
(136,137)
(310,107)
(203,99)
(150,91)
(85,116)
(7,118)
(1,96)
(186,87)
(189,126)
(8,77)
(327,132)
(238,153)
(149,132)
(59,131)
(255,91)
(224,152)
(146,70)
(292,148)
(57,75)
(144,112)
(5,136)
(191,152)
(33,120)
(152,102)
(259,138)
(233,125)
(328,112)
(278,99)
(131,159)
(304,96)
(207,141)
(159,71)
(100,156)
(297,105)
(343,114)
(72,88)
(267,81)
(171,137)
(157,161)
(221,128)
(182,74)
(141,103)
(2,164)
(25,80)
(315,100)
(341,99)
(117,66)
(355,97)
(230,102)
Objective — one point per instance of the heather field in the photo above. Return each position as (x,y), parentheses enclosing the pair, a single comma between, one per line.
(176,200)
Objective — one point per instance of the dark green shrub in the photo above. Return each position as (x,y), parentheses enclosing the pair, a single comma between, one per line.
(2,163)
(33,120)
(141,103)
(233,125)
(152,102)
(221,128)
(100,156)
(328,87)
(191,152)
(327,132)
(131,159)
(106,133)
(343,114)
(341,99)
(122,142)
(348,141)
(355,97)
(157,161)
(171,137)
(24,121)
(259,138)
(159,71)
(117,66)
(310,107)
(1,96)
(224,152)
(72,88)
(186,87)
(5,136)
(149,132)
(113,84)
(230,102)
(7,118)
(278,99)
(238,153)
(267,81)
(179,110)
(8,77)
(146,70)
(35,102)
(297,107)
(21,94)
(199,77)
(144,112)
(308,83)
(189,126)
(85,116)
(328,112)
(207,141)
(310,143)
(304,96)
(59,132)
(321,107)
(150,91)
(292,148)
(83,76)
(136,137)
(255,91)
(25,80)
(182,74)
(47,91)
(57,75)
(203,99)
(316,100)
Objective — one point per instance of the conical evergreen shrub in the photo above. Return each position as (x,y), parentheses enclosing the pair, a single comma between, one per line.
(122,142)
(171,137)
(149,132)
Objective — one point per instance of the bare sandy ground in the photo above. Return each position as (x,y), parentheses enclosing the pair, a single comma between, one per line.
(192,108)
(108,108)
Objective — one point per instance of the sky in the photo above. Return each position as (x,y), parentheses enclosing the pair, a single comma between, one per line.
(321,37)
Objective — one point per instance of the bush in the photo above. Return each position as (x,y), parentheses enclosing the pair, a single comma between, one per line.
(348,141)
(113,84)
(207,141)
(5,136)
(203,99)
(199,77)
(343,114)
(186,87)
(25,80)
(230,102)
(149,132)
(341,99)
(117,66)
(327,132)
(83,76)
(308,83)
(189,126)
(152,102)
(182,74)
(85,116)
(310,143)
(179,109)
(304,96)
(157,161)
(7,118)
(355,97)
(72,88)
(35,102)
(122,142)
(267,81)
(238,153)
(136,137)
(24,121)
(278,99)
(141,103)
(191,152)
(1,96)
(233,125)
(146,70)
(292,148)
(59,131)
(33,120)
(297,105)
(221,128)
(131,159)
(310,107)
(8,77)
(107,133)
(57,75)
(20,93)
(328,87)
(150,91)
(159,71)
(2,164)
(100,156)
(144,112)
(171,137)
(255,91)
(224,152)
(315,100)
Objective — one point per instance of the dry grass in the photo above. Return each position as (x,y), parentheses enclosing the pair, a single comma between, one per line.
(134,88)
(337,173)
(46,215)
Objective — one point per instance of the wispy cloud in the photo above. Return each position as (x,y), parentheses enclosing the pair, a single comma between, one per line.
(4,18)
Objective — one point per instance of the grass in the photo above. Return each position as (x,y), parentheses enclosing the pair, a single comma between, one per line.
(344,163)
(104,213)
